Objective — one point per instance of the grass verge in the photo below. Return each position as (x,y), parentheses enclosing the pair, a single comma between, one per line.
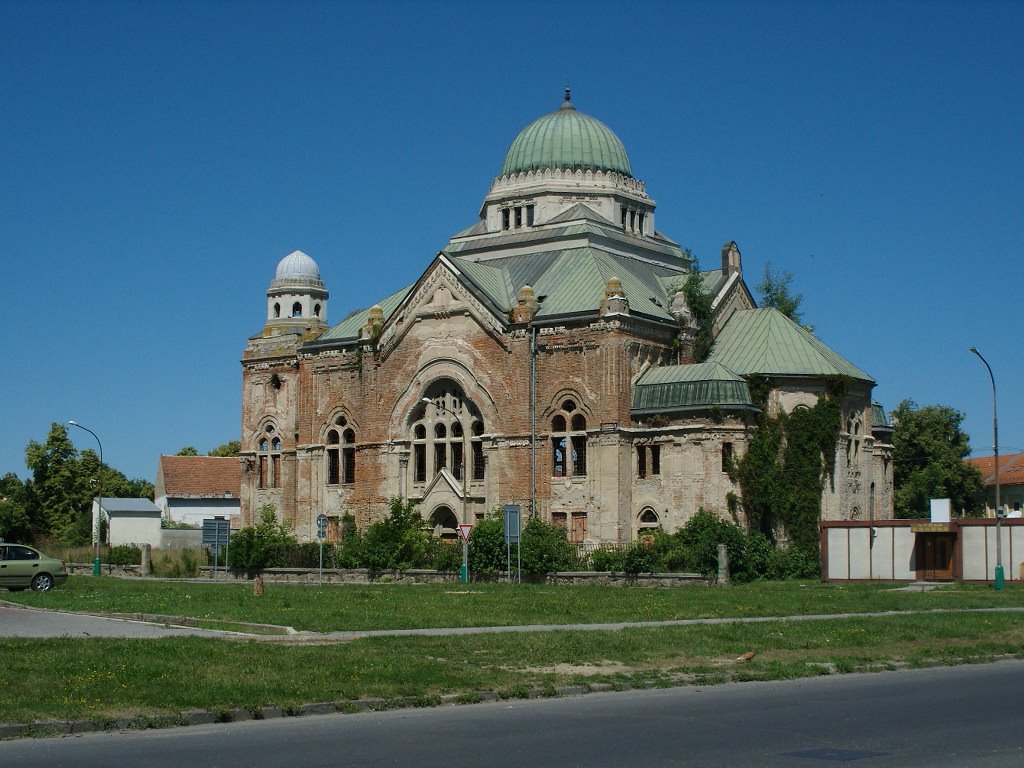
(403,606)
(107,679)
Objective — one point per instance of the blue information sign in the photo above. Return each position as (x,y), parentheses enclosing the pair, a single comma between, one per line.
(511,523)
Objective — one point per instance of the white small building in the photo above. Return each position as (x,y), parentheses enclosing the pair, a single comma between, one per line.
(190,489)
(129,521)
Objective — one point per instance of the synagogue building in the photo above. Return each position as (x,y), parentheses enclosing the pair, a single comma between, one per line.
(544,357)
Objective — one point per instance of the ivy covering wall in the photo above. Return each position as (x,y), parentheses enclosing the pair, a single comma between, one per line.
(789,459)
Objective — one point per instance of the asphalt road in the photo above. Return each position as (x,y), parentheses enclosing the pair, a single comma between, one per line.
(27,622)
(937,718)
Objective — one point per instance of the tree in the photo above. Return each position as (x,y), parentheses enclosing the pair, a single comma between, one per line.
(928,461)
(15,524)
(60,490)
(188,450)
(228,449)
(775,291)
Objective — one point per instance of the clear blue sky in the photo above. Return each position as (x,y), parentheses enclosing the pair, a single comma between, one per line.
(158,159)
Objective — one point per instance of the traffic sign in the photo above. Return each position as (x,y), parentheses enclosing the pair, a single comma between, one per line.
(464,530)
(321,526)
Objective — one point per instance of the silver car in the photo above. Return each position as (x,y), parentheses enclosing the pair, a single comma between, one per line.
(22,567)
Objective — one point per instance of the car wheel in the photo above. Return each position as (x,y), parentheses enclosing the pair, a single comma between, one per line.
(42,582)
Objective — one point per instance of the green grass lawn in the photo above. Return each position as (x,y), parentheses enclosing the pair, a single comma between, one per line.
(107,678)
(403,606)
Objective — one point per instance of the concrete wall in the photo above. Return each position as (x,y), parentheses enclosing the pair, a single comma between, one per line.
(133,528)
(144,528)
(885,550)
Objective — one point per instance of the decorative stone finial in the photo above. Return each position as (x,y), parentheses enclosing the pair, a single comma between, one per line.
(567,104)
(374,322)
(526,305)
(614,301)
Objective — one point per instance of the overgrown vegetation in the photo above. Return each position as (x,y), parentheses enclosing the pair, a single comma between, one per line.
(775,291)
(782,475)
(700,302)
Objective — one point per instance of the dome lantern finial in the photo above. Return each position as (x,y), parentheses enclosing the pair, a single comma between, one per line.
(567,103)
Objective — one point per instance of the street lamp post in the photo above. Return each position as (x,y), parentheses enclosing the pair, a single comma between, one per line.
(995,453)
(99,499)
(464,571)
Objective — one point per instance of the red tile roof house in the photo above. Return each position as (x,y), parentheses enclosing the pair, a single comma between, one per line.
(190,489)
(1011,482)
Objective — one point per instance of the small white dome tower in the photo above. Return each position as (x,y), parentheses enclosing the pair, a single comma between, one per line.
(297,298)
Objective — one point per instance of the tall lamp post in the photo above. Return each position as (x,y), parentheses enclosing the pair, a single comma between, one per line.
(995,453)
(99,499)
(464,571)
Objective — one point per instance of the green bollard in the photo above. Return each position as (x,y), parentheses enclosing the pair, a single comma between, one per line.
(464,573)
(999,576)
(96,566)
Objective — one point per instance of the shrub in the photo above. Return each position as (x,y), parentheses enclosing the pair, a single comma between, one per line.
(487,550)
(125,554)
(796,562)
(757,558)
(701,536)
(608,559)
(544,548)
(650,554)
(264,546)
(348,552)
(444,555)
(398,542)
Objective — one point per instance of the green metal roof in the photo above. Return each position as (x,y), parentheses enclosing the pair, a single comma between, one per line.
(566,139)
(765,341)
(878,418)
(349,328)
(678,387)
(494,282)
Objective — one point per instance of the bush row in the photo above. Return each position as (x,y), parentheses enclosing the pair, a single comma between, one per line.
(400,542)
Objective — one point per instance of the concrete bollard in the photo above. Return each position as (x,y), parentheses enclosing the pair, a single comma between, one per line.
(723,565)
(146,569)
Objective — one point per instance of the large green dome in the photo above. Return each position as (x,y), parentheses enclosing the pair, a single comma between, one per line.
(569,140)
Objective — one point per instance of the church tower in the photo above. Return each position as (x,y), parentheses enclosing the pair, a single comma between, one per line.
(297,298)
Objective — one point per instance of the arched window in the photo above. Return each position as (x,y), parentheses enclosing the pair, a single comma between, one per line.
(419,454)
(277,309)
(447,428)
(348,457)
(296,309)
(333,458)
(341,453)
(478,450)
(569,447)
(268,457)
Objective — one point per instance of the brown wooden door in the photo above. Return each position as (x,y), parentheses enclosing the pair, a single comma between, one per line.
(938,556)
